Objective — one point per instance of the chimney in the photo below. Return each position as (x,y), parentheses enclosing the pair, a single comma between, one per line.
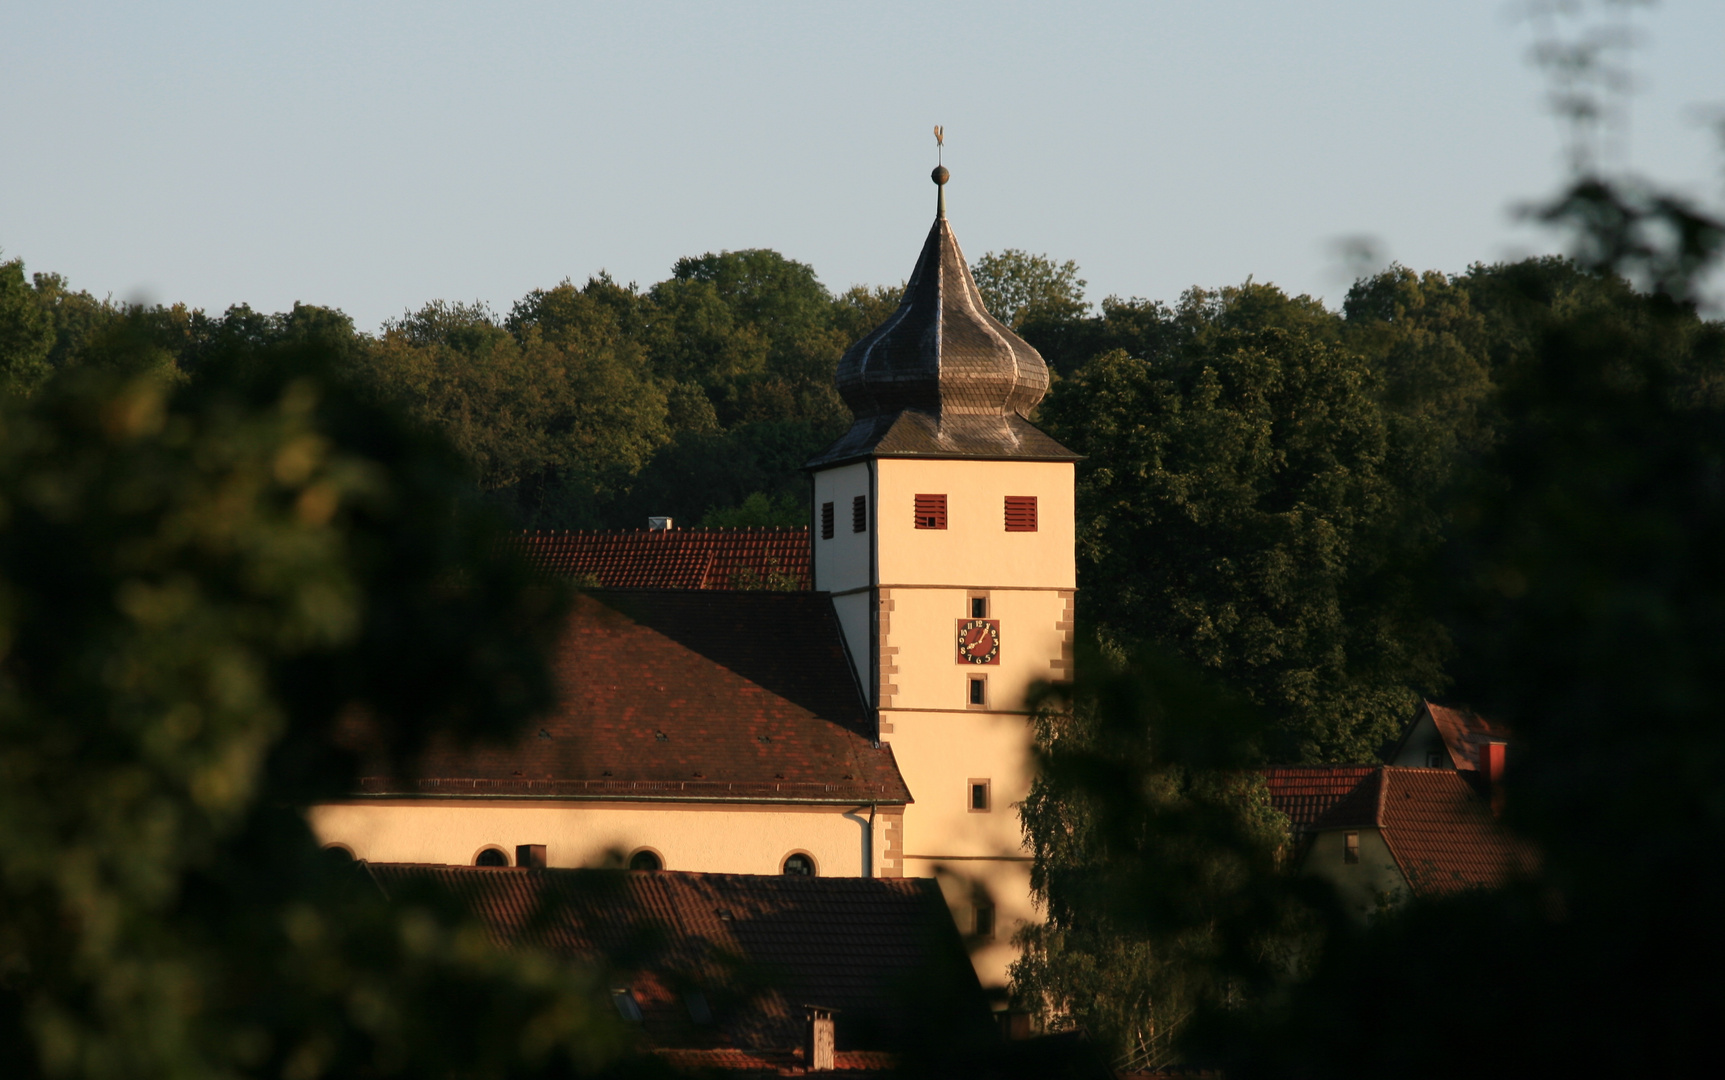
(530,855)
(1490,762)
(658,524)
(1490,765)
(818,1039)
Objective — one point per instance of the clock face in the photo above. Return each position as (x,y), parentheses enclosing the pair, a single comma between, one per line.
(979,641)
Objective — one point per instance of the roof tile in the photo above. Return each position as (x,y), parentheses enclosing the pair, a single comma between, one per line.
(673,558)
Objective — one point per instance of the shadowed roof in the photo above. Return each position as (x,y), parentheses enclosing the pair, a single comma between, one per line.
(1307,792)
(673,558)
(756,948)
(1438,826)
(699,695)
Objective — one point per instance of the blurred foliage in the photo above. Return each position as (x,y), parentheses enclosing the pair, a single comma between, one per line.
(1585,594)
(1156,856)
(206,585)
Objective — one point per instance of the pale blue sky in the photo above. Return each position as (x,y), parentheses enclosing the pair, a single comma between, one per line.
(374,156)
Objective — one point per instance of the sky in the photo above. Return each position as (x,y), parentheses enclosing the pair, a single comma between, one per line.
(377,156)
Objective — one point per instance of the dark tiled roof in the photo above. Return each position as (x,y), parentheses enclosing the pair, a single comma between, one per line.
(1307,792)
(757,948)
(1440,829)
(699,695)
(1464,732)
(674,558)
(941,377)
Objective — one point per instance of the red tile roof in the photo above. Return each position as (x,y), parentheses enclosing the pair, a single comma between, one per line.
(757,948)
(1307,792)
(1439,828)
(697,695)
(674,558)
(1464,732)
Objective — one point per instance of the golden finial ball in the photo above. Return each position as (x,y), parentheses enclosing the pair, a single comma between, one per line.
(939,175)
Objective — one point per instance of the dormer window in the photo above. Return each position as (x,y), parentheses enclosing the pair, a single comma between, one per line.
(931,511)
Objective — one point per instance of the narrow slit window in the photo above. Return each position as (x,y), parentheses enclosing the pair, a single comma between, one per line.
(979,607)
(1021,513)
(826,521)
(1351,847)
(979,690)
(979,796)
(859,514)
(931,511)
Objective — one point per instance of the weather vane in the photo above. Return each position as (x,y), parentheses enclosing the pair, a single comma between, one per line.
(939,144)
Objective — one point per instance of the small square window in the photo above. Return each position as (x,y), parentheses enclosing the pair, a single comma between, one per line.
(931,511)
(984,922)
(627,1007)
(1433,761)
(859,514)
(1351,847)
(979,690)
(826,521)
(1021,513)
(979,607)
(979,796)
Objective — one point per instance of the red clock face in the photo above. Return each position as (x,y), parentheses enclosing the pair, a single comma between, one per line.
(979,641)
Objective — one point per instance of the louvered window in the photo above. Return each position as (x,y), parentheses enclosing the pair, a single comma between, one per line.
(826,521)
(859,514)
(931,511)
(1021,513)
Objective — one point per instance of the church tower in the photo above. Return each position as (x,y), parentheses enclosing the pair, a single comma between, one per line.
(943,529)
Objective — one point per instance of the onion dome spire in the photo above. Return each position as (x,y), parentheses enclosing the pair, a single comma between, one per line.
(943,366)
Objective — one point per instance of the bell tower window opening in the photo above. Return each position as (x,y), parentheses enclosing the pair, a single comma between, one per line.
(984,920)
(978,691)
(1021,513)
(826,521)
(978,606)
(931,511)
(859,514)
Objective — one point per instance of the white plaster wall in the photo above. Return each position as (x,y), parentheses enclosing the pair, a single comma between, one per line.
(1364,886)
(975,549)
(708,838)
(842,562)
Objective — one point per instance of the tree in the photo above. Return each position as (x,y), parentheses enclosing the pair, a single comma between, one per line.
(1238,501)
(1020,288)
(1156,857)
(26,333)
(210,586)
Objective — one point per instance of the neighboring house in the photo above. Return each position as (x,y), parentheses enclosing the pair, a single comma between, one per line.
(875,725)
(743,974)
(1383,833)
(1441,737)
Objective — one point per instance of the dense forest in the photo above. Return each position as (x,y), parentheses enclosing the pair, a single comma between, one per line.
(1265,483)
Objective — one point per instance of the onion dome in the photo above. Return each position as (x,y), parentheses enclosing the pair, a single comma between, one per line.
(941,377)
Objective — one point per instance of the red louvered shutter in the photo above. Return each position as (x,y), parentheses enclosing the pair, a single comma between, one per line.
(931,511)
(1021,513)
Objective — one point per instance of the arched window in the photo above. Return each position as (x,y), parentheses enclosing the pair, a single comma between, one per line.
(492,857)
(337,855)
(798,864)
(647,860)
